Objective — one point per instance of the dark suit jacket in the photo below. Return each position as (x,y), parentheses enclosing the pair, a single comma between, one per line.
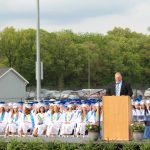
(125,89)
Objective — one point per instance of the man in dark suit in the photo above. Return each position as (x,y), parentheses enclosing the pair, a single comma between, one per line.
(119,87)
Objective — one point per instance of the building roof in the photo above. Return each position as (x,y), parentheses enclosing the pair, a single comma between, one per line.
(4,71)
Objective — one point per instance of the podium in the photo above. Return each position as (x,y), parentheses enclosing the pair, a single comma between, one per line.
(117,117)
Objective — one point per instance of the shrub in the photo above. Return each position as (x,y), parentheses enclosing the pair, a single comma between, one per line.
(3,145)
(137,127)
(43,145)
(91,127)
(130,146)
(145,145)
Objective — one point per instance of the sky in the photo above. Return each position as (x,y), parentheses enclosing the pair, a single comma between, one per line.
(98,16)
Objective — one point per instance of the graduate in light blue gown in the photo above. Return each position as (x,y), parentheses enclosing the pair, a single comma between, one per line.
(141,112)
(3,118)
(81,126)
(147,120)
(12,124)
(101,119)
(40,121)
(25,121)
(135,111)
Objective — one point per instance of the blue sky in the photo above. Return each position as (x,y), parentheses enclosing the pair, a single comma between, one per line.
(78,15)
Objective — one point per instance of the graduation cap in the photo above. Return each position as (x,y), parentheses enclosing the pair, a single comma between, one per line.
(41,101)
(76,99)
(15,105)
(61,104)
(57,102)
(84,105)
(139,98)
(31,103)
(65,106)
(147,101)
(79,103)
(27,106)
(136,103)
(46,104)
(20,102)
(45,101)
(2,105)
(142,102)
(52,100)
(70,105)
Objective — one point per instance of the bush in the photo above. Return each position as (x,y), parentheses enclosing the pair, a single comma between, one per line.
(3,145)
(42,145)
(91,127)
(137,127)
(20,145)
(130,146)
(145,145)
(16,145)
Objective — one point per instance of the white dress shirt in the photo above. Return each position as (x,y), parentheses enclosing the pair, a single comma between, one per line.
(118,88)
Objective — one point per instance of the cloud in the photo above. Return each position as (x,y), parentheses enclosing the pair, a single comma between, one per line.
(136,19)
(78,15)
(63,11)
(72,11)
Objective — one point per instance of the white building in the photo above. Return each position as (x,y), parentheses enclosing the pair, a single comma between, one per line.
(12,85)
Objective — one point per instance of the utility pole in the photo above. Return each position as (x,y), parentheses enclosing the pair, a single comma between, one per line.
(38,61)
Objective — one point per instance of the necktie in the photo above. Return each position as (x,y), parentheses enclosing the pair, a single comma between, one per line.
(117,89)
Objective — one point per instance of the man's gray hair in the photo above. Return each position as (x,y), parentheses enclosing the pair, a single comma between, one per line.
(118,73)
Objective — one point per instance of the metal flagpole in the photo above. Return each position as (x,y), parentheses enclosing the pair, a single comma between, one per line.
(38,63)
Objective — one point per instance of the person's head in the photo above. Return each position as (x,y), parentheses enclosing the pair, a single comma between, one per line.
(136,104)
(84,107)
(15,108)
(56,109)
(70,108)
(2,108)
(10,110)
(27,109)
(42,109)
(51,107)
(7,108)
(118,77)
(93,107)
(97,106)
(20,107)
(79,107)
(46,107)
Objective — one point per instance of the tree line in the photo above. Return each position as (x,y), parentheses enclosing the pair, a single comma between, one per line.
(68,56)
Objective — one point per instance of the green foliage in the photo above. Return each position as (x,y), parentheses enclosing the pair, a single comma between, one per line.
(91,127)
(3,144)
(145,145)
(130,146)
(39,144)
(33,144)
(137,127)
(66,56)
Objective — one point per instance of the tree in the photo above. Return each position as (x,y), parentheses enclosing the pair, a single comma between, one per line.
(9,41)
